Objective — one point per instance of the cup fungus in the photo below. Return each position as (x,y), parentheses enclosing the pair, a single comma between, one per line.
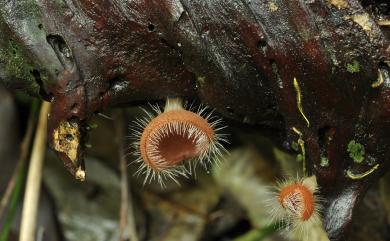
(171,143)
(296,205)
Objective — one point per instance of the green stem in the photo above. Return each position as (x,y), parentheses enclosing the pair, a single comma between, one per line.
(20,172)
(258,234)
(16,194)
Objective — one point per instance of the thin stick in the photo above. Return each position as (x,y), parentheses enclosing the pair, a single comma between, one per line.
(24,148)
(126,212)
(384,22)
(33,184)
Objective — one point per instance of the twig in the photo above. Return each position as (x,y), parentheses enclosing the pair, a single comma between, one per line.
(385,22)
(33,184)
(126,212)
(24,149)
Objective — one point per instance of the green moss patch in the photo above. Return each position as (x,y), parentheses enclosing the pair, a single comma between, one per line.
(356,151)
(324,162)
(200,81)
(300,158)
(354,67)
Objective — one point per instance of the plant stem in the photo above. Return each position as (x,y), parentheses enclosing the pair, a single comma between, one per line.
(126,212)
(33,184)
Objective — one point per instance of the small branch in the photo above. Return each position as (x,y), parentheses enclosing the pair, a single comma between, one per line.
(33,184)
(384,22)
(126,212)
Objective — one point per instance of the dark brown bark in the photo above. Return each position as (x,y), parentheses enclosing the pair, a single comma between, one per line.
(240,57)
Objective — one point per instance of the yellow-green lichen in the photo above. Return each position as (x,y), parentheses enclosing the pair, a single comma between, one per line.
(200,80)
(365,22)
(380,80)
(15,64)
(353,67)
(357,176)
(356,151)
(324,162)
(340,4)
(12,59)
(295,146)
(299,100)
(273,7)
(300,158)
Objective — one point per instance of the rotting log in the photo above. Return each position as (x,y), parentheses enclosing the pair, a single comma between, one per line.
(316,70)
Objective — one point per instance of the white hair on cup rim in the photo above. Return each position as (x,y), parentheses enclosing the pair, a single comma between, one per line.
(171,143)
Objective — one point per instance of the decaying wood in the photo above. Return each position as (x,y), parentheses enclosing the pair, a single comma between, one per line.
(238,56)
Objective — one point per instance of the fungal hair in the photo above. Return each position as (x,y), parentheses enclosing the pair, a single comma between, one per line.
(289,218)
(210,149)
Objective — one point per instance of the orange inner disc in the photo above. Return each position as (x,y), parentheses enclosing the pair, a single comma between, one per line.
(297,197)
